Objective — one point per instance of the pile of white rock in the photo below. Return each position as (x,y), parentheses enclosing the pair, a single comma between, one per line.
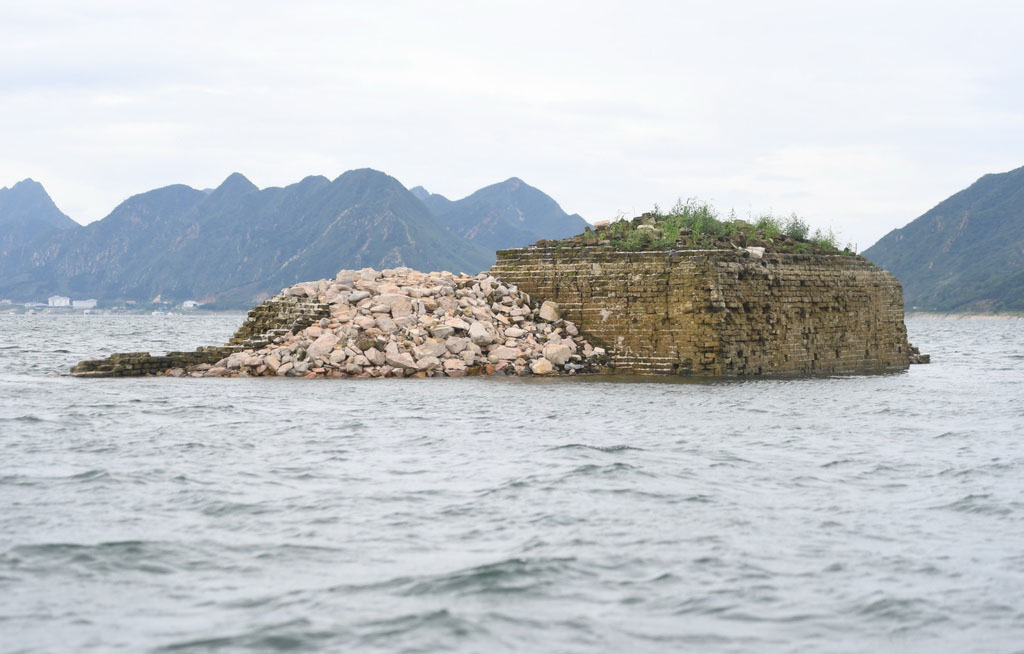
(402,323)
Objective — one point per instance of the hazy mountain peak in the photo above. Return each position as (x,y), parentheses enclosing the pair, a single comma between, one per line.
(314,179)
(363,174)
(506,214)
(27,203)
(236,183)
(420,192)
(28,184)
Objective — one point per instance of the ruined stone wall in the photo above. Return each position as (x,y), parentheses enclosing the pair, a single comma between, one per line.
(265,322)
(721,313)
(276,317)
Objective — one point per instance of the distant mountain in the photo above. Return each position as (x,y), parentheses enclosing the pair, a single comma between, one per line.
(26,213)
(967,253)
(237,242)
(505,215)
(437,203)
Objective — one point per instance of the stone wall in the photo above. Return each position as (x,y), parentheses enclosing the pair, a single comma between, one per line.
(265,322)
(719,313)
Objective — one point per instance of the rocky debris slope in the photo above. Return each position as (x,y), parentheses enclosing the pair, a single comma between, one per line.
(402,323)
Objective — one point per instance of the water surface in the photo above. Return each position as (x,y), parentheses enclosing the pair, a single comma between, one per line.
(838,514)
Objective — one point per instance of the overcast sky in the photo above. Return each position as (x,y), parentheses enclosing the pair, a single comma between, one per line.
(859,117)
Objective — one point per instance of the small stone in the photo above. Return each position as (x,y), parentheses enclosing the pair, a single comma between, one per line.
(454,364)
(387,325)
(365,322)
(442,332)
(428,363)
(429,348)
(505,353)
(375,356)
(353,368)
(457,323)
(403,360)
(456,344)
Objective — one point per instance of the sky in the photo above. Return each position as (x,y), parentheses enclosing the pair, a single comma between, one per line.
(859,117)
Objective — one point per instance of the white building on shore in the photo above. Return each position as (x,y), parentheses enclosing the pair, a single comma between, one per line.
(84,304)
(189,304)
(58,301)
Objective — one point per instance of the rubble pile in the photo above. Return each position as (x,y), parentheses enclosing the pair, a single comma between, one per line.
(402,323)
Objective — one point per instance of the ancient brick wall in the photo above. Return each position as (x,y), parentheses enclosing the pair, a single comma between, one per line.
(721,313)
(265,322)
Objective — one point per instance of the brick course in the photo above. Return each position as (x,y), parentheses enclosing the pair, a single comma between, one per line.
(720,312)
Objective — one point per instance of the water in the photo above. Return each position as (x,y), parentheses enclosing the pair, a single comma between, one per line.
(845,514)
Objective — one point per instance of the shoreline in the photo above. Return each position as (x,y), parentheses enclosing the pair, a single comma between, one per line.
(964,316)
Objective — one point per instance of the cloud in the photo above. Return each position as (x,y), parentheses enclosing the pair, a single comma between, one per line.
(859,117)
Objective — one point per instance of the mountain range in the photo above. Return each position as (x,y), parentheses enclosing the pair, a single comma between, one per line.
(236,244)
(964,255)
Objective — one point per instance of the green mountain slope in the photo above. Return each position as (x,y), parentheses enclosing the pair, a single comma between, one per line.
(967,253)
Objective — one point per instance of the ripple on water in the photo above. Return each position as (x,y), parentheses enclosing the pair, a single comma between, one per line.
(291,636)
(599,448)
(871,513)
(979,504)
(517,575)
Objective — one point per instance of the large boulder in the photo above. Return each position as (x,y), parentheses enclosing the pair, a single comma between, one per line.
(429,348)
(322,346)
(549,311)
(557,353)
(480,335)
(542,367)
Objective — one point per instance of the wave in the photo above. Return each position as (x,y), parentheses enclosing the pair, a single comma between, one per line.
(291,636)
(599,448)
(980,504)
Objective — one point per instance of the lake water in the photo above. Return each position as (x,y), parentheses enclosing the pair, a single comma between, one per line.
(839,514)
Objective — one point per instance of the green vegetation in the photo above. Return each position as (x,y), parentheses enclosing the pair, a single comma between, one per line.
(696,225)
(965,255)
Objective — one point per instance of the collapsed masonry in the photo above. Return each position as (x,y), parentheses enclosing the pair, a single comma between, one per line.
(694,312)
(391,323)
